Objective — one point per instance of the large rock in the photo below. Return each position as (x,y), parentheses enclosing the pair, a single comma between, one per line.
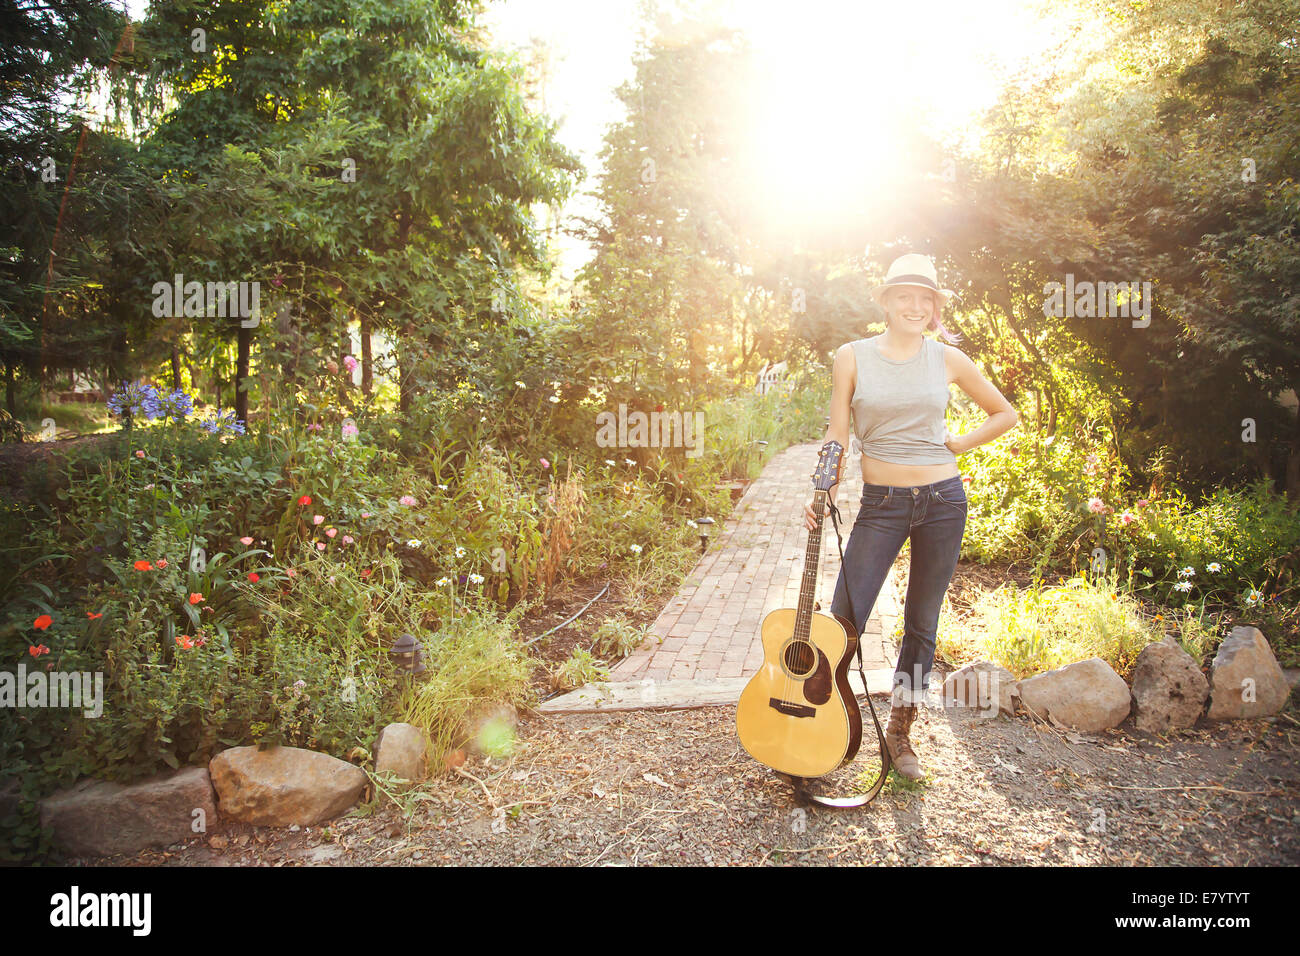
(102,818)
(1169,690)
(281,786)
(982,685)
(490,729)
(401,749)
(1245,679)
(1086,695)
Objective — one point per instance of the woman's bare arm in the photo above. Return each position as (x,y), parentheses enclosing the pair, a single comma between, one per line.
(843,378)
(1002,417)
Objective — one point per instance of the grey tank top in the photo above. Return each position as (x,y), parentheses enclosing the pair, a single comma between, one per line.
(898,407)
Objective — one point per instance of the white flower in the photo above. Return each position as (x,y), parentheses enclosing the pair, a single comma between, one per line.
(1187,572)
(629,461)
(1212,567)
(1255,597)
(610,461)
(441,582)
(555,399)
(691,522)
(413,543)
(460,552)
(636,549)
(520,384)
(476,579)
(1183,586)
(442,487)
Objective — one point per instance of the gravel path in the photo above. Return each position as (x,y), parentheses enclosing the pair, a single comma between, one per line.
(647,788)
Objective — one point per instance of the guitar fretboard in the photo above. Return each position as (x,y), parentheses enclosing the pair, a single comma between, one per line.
(811,560)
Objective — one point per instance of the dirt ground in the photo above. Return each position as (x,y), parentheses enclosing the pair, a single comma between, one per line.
(675,787)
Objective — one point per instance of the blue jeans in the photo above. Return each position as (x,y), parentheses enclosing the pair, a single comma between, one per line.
(934,516)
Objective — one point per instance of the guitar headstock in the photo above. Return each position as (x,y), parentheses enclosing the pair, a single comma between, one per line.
(828,466)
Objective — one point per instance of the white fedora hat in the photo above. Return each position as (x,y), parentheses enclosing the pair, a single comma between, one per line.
(912,269)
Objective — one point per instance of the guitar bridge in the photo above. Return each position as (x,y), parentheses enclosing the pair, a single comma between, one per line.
(791,709)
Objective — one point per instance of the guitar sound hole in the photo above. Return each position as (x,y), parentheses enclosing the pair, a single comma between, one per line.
(800,658)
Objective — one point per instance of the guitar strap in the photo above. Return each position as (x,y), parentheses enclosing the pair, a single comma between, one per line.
(863,799)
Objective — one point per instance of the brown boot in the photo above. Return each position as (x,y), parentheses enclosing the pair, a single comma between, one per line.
(900,748)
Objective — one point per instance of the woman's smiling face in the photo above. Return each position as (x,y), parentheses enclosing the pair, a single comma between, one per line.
(909,307)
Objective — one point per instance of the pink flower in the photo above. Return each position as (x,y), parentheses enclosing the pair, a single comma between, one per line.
(331,532)
(292,573)
(320,545)
(545,463)
(350,362)
(245,541)
(318,519)
(348,539)
(365,514)
(1142,503)
(315,427)
(139,454)
(406,500)
(349,430)
(1096,506)
(1127,518)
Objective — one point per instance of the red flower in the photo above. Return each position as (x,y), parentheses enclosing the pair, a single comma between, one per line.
(184,640)
(366,572)
(252,576)
(161,563)
(196,598)
(305,500)
(37,650)
(94,617)
(42,622)
(143,566)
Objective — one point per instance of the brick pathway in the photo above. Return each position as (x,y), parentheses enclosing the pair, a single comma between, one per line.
(710,628)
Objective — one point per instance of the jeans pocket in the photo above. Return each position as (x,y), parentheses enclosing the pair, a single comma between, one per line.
(952,497)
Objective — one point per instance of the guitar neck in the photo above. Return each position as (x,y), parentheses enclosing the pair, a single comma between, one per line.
(811,560)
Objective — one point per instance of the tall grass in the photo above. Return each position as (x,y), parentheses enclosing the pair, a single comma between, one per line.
(479,662)
(1040,628)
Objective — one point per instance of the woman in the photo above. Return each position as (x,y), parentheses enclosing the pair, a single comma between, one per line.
(896,386)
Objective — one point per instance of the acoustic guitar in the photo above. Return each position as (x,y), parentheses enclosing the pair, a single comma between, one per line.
(798,714)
